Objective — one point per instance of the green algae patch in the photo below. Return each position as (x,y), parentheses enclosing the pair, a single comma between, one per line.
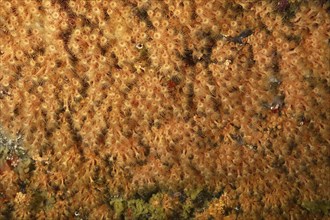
(138,208)
(41,200)
(187,209)
(321,207)
(194,193)
(119,206)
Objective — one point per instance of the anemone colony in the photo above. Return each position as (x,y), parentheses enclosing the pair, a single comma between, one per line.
(143,109)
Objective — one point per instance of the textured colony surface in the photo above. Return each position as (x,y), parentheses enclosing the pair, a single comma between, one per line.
(149,109)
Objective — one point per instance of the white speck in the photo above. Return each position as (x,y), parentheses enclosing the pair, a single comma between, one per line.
(227,62)
(139,46)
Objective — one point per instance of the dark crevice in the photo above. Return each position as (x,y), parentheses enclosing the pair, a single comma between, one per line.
(74,132)
(202,198)
(142,14)
(239,38)
(188,58)
(146,193)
